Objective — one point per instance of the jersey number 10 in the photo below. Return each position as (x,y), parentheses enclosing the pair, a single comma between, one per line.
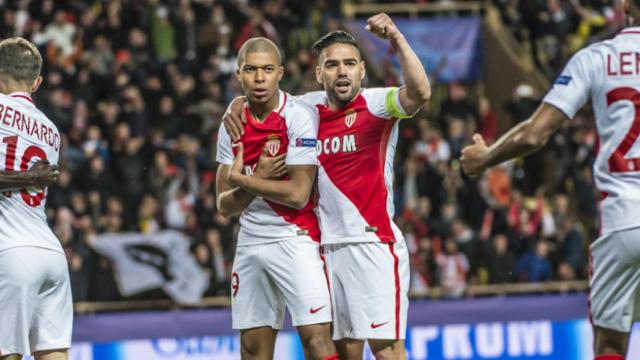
(9,165)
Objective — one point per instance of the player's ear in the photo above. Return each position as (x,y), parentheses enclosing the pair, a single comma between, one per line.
(318,74)
(363,70)
(280,72)
(238,73)
(36,84)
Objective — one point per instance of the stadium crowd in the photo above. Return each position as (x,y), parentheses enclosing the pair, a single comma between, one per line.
(138,88)
(555,29)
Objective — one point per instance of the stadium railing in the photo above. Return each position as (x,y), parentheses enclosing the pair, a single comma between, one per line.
(350,10)
(434,293)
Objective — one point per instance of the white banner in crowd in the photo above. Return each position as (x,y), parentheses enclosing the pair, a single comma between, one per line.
(149,261)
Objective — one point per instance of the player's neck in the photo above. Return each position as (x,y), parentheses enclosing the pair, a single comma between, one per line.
(335,104)
(9,87)
(261,111)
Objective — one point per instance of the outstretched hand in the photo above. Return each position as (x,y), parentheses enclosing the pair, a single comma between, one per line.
(472,158)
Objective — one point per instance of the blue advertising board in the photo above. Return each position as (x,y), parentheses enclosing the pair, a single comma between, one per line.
(455,45)
(531,327)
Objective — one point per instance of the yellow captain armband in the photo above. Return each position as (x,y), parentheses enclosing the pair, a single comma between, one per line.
(392,105)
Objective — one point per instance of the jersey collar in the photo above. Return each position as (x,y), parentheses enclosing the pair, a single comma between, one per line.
(630,30)
(327,108)
(282,100)
(22,95)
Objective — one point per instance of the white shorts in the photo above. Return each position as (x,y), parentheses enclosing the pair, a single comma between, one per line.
(615,279)
(266,277)
(369,284)
(36,309)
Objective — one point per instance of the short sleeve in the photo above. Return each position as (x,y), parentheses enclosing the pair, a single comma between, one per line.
(571,89)
(313,98)
(385,103)
(303,132)
(224,154)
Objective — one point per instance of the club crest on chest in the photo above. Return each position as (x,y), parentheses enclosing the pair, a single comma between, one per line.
(273,144)
(350,117)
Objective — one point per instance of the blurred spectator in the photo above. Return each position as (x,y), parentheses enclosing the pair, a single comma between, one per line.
(502,265)
(535,266)
(571,250)
(453,267)
(137,90)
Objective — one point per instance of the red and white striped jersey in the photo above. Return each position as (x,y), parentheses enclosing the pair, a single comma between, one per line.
(608,74)
(26,136)
(356,147)
(291,129)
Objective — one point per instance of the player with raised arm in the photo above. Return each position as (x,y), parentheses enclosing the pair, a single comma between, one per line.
(365,252)
(35,293)
(277,260)
(608,74)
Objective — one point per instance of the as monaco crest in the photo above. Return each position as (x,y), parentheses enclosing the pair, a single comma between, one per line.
(273,144)
(350,117)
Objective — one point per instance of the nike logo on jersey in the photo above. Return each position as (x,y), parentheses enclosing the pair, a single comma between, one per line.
(375,326)
(336,144)
(313,311)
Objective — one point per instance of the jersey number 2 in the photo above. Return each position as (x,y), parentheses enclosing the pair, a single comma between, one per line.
(617,161)
(9,165)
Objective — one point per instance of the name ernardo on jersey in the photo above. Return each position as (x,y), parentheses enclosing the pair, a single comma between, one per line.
(26,136)
(608,74)
(356,146)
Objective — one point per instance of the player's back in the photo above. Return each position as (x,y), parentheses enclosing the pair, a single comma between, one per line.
(26,136)
(608,74)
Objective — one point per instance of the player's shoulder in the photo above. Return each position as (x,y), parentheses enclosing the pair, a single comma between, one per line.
(377,94)
(296,103)
(296,109)
(313,98)
(27,107)
(222,130)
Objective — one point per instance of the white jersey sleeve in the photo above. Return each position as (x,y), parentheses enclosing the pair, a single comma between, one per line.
(385,103)
(224,154)
(572,88)
(313,98)
(302,125)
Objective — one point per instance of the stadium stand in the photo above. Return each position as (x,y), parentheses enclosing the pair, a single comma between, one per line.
(139,89)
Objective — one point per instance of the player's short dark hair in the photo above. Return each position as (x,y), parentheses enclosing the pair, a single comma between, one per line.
(258,44)
(20,60)
(334,37)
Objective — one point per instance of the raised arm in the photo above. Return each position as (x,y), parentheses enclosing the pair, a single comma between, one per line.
(417,91)
(569,93)
(521,140)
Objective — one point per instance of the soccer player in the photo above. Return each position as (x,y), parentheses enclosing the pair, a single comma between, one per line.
(277,259)
(365,252)
(35,293)
(608,74)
